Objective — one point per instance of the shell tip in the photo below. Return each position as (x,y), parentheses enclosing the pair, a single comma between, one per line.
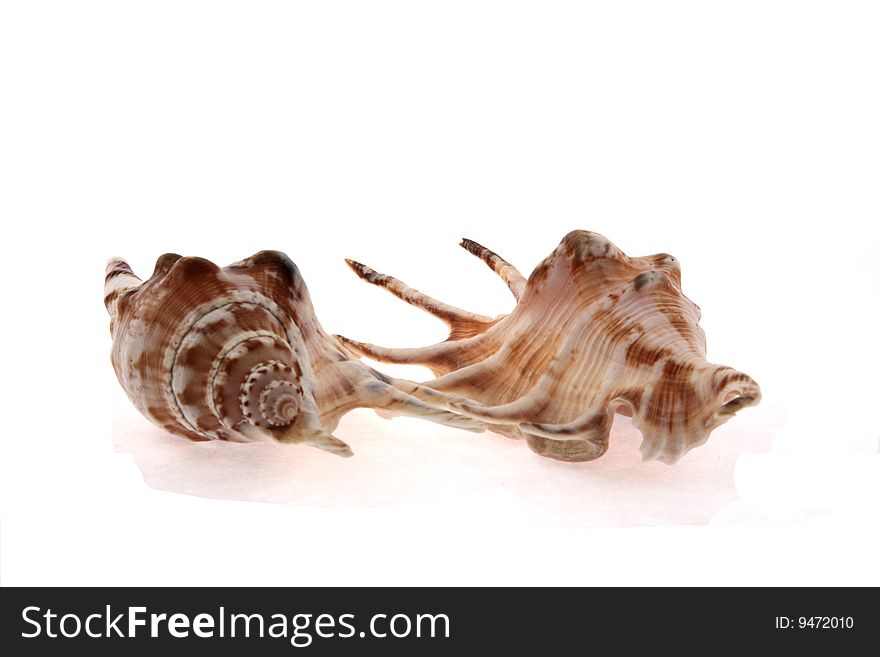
(358,268)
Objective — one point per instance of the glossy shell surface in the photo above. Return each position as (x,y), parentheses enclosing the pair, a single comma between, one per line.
(594,332)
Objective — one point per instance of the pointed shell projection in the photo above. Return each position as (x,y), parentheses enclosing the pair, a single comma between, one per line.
(238,354)
(593,332)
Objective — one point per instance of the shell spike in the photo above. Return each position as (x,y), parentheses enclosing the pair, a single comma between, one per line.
(386,397)
(417,356)
(449,314)
(508,273)
(316,437)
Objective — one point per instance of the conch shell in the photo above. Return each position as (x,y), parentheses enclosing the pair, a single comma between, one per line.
(238,354)
(593,332)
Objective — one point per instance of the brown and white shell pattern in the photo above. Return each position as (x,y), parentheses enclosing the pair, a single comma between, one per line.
(238,354)
(593,332)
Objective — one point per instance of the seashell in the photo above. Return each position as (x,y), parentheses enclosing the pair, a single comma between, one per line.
(238,354)
(593,332)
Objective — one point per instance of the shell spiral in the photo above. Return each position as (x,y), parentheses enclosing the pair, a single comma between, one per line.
(210,353)
(236,353)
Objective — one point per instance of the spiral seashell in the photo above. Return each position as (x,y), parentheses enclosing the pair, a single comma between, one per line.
(593,332)
(238,354)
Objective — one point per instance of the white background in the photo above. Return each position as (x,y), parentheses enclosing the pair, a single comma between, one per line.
(741,137)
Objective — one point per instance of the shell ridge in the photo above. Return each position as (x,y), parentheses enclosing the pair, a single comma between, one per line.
(237,353)
(594,331)
(171,354)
